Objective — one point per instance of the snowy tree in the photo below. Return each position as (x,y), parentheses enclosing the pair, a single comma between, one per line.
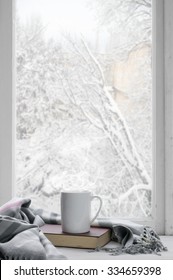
(70,130)
(130,17)
(92,97)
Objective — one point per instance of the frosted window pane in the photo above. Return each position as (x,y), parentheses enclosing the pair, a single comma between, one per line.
(83,102)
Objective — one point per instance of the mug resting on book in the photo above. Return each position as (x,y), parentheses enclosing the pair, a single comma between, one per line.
(76,211)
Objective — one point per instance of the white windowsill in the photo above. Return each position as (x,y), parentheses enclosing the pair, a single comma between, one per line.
(84,254)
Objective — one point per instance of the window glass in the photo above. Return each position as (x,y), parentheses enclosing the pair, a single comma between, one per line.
(83,102)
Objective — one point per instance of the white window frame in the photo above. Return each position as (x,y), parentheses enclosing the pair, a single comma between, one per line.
(162,218)
(158,149)
(168,88)
(7,96)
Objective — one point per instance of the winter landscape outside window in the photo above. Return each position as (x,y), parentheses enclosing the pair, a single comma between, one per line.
(84,102)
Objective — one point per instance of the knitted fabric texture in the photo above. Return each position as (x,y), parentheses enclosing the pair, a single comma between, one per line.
(134,238)
(21,237)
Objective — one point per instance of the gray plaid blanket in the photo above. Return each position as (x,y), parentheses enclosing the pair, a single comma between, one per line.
(22,239)
(20,234)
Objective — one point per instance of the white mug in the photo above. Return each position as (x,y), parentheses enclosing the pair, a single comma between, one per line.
(76,211)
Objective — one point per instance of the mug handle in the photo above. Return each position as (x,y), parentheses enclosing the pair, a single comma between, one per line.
(99,198)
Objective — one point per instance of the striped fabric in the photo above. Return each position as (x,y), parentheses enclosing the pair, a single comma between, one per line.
(21,237)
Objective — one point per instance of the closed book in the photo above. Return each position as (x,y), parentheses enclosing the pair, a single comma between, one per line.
(95,238)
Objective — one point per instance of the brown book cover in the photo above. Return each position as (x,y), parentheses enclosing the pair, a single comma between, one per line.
(95,238)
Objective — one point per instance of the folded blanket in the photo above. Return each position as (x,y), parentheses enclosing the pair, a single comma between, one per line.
(21,237)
